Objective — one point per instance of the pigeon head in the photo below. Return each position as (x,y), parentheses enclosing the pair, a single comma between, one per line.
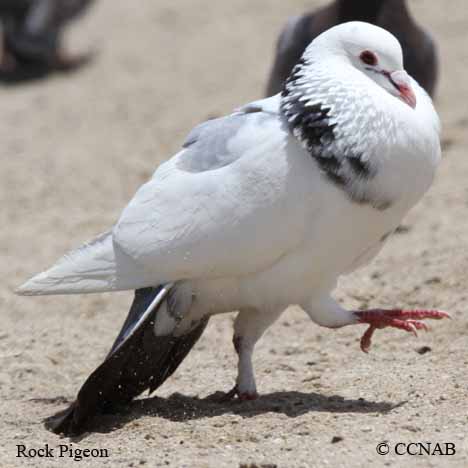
(378,54)
(370,50)
(349,101)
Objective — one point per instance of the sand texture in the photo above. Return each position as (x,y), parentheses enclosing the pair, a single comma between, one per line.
(74,150)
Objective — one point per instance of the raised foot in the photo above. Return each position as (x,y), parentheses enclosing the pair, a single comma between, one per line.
(242,396)
(407,320)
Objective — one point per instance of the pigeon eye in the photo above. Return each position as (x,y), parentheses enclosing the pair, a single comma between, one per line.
(368,57)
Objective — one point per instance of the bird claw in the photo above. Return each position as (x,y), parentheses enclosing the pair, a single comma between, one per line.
(234,392)
(407,320)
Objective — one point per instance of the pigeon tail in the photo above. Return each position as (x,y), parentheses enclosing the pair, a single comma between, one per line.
(138,360)
(97,266)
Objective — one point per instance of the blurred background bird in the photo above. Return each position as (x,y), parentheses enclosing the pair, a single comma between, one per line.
(31,37)
(419,51)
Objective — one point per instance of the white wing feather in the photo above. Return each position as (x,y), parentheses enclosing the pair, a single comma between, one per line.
(202,215)
(232,221)
(96,266)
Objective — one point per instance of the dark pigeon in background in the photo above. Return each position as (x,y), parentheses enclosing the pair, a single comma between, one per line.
(420,55)
(32,31)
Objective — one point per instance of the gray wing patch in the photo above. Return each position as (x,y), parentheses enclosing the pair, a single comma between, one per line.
(214,144)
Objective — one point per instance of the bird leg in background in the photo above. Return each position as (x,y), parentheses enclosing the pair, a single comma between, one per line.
(32,38)
(64,61)
(408,320)
(7,60)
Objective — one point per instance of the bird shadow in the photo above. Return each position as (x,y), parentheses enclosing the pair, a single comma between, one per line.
(179,408)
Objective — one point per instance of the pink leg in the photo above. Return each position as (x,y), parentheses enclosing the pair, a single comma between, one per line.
(244,394)
(8,63)
(249,326)
(408,320)
(66,62)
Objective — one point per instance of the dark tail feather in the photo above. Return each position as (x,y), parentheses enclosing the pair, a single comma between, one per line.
(138,360)
(180,348)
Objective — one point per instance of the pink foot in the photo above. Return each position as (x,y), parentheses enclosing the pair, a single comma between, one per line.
(8,64)
(408,320)
(66,62)
(247,396)
(243,396)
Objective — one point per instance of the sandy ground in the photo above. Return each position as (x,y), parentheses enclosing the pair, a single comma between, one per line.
(74,150)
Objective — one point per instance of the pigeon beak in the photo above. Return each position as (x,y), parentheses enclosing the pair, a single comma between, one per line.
(402,82)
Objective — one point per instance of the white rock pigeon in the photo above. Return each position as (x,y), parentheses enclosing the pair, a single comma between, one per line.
(261,209)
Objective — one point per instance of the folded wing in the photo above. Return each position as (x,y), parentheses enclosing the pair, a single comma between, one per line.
(228,204)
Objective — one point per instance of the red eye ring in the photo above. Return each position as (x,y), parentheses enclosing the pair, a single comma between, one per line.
(368,57)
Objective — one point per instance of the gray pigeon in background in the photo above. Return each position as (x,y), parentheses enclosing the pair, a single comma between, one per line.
(419,51)
(32,31)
